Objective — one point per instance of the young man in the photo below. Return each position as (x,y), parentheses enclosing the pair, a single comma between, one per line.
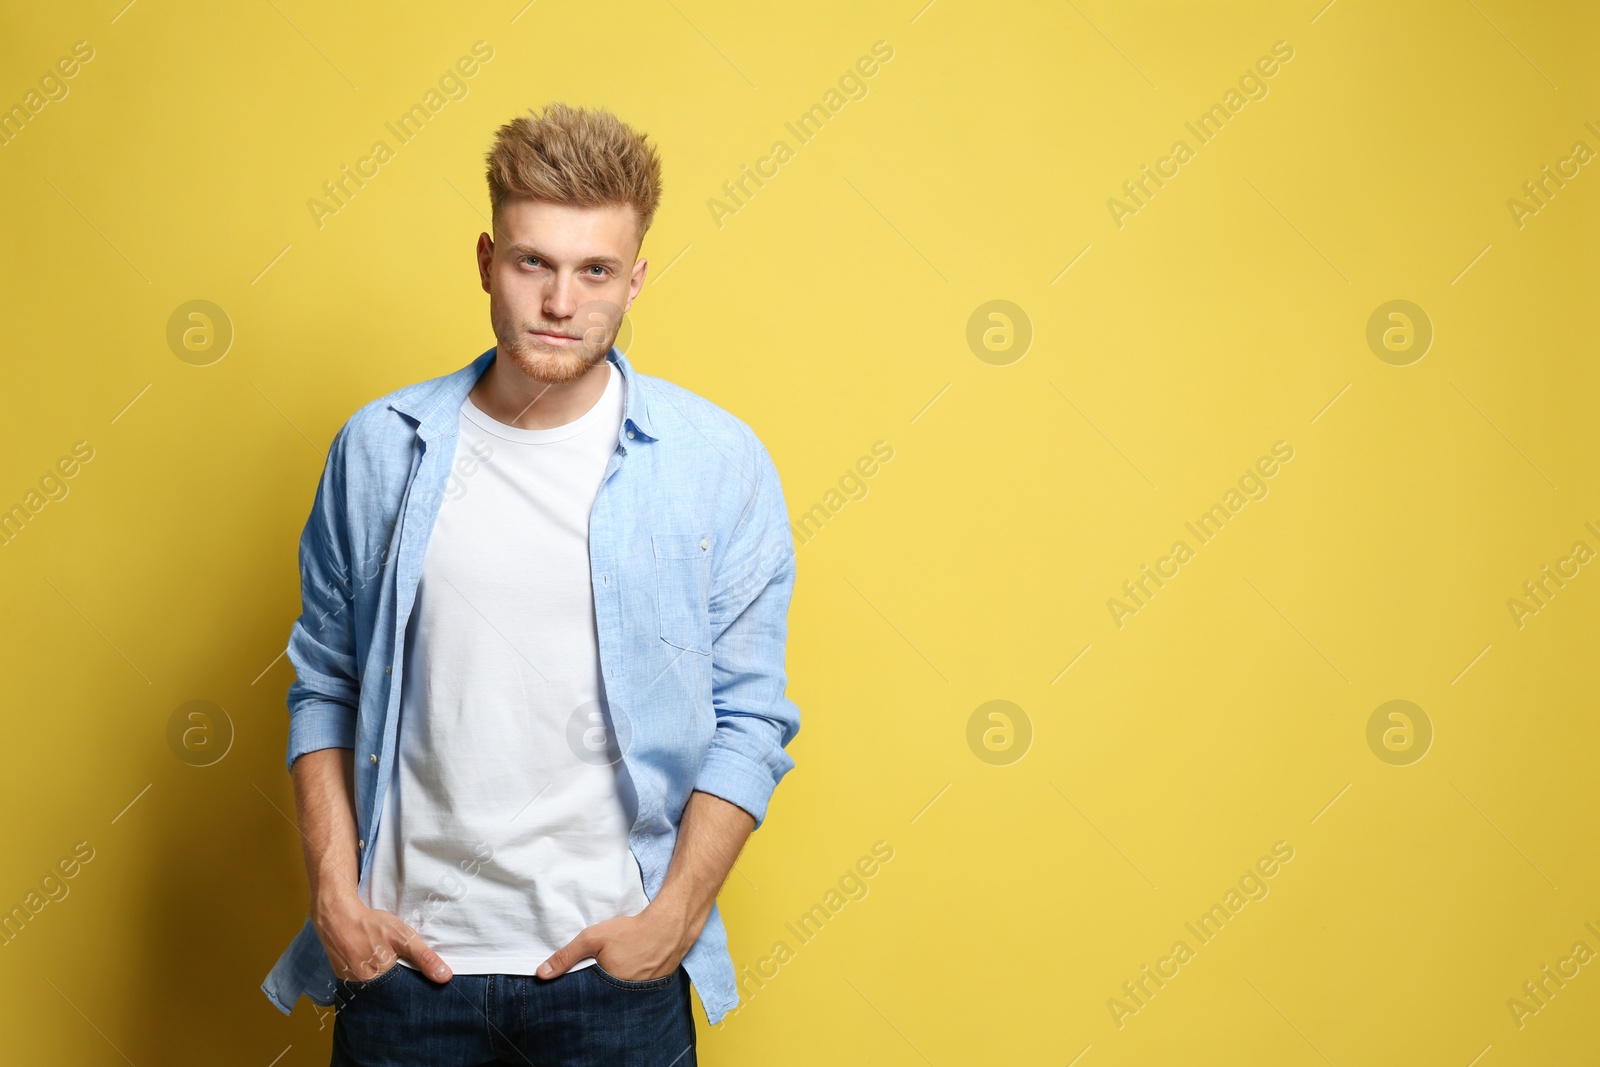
(539,699)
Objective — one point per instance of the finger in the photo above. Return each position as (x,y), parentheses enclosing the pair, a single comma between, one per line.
(580,947)
(413,948)
(378,960)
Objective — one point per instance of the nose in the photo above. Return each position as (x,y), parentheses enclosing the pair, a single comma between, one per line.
(560,298)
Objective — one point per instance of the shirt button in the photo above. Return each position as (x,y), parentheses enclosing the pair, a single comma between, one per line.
(704,544)
(362,843)
(388,670)
(630,435)
(374,757)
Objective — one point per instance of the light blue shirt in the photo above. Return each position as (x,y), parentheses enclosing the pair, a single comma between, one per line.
(692,565)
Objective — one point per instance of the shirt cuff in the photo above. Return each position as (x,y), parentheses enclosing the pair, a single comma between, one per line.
(320,725)
(738,779)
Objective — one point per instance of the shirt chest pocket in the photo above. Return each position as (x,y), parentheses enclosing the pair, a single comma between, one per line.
(683,589)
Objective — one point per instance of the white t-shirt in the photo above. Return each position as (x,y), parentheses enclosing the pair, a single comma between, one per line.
(505,828)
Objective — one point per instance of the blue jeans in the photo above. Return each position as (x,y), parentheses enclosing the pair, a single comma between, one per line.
(584,1018)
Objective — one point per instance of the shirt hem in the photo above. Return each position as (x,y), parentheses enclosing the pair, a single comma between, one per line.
(500,964)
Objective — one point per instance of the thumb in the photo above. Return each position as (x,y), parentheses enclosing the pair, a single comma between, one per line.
(580,947)
(413,949)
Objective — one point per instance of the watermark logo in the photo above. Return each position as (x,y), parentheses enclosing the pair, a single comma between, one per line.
(999,332)
(1542,189)
(849,887)
(1537,592)
(852,486)
(452,85)
(1138,992)
(199,733)
(999,732)
(1540,990)
(52,88)
(1138,592)
(53,888)
(594,737)
(52,487)
(852,85)
(1205,129)
(199,333)
(478,454)
(1399,733)
(1399,332)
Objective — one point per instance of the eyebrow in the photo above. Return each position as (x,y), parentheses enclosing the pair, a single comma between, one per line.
(528,250)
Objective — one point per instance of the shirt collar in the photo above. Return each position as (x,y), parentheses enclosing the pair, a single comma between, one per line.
(436,405)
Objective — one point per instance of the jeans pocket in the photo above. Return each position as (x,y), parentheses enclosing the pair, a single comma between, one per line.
(631,983)
(354,986)
(683,589)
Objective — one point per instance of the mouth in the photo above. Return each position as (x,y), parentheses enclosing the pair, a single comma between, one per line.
(557,340)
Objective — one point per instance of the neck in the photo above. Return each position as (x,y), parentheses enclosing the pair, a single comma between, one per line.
(506,394)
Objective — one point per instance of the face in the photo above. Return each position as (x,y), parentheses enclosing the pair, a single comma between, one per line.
(559,279)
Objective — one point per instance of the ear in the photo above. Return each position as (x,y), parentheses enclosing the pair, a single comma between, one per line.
(640,268)
(485,254)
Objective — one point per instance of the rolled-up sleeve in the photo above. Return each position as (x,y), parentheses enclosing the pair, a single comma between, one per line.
(326,691)
(752,583)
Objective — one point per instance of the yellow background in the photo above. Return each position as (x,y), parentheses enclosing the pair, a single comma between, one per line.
(831,312)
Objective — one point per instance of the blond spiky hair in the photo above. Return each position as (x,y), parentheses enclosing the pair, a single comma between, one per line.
(569,155)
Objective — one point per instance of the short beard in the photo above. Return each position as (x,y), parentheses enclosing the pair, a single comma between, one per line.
(550,365)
